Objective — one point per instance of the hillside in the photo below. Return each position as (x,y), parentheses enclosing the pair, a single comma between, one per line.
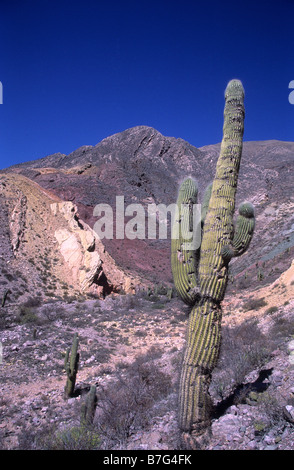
(47,249)
(58,278)
(146,167)
(131,349)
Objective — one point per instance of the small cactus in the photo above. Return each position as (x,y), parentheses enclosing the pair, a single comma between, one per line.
(88,407)
(4,297)
(71,365)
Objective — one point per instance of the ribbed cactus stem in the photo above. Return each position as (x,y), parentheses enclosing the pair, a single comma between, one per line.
(203,342)
(220,242)
(205,203)
(218,228)
(71,364)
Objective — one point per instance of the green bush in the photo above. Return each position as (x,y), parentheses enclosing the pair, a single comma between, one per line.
(271,310)
(27,315)
(73,438)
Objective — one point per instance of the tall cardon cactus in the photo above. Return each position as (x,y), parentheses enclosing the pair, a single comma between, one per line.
(201,274)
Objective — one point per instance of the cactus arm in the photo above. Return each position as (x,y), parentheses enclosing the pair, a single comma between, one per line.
(184,262)
(242,234)
(244,228)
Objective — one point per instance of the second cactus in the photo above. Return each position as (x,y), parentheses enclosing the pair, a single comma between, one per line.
(71,364)
(201,275)
(88,407)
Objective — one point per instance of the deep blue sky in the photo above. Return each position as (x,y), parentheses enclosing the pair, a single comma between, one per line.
(75,72)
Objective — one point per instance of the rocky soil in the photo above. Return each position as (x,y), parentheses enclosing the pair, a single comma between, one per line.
(131,348)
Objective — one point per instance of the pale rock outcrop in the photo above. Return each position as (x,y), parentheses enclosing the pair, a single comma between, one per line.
(77,245)
(17,221)
(90,267)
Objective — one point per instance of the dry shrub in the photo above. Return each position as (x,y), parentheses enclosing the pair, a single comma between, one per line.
(244,348)
(125,406)
(281,329)
(254,304)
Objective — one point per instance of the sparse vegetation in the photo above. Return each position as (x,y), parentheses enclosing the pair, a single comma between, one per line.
(144,390)
(28,311)
(281,329)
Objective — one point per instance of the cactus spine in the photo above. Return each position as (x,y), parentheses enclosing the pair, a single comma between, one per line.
(201,276)
(71,365)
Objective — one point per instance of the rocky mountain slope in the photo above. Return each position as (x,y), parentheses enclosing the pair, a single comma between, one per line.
(57,278)
(47,249)
(145,167)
